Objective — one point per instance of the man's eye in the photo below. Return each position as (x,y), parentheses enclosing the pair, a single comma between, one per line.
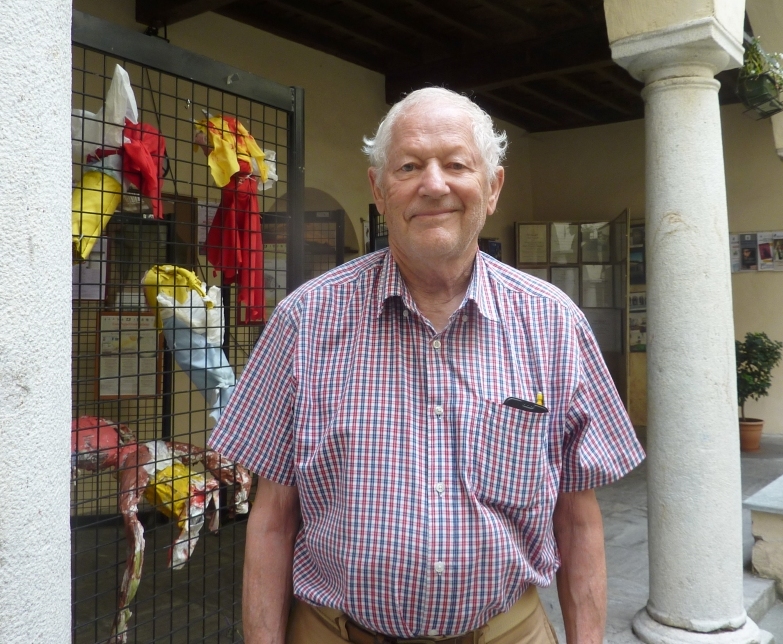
(408,167)
(457,166)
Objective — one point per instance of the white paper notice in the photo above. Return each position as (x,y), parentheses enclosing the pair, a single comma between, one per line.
(734,245)
(206,213)
(128,355)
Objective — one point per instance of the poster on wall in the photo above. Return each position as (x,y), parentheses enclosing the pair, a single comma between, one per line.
(531,243)
(88,279)
(748,252)
(566,278)
(564,248)
(128,356)
(765,252)
(636,267)
(777,250)
(206,213)
(637,321)
(734,252)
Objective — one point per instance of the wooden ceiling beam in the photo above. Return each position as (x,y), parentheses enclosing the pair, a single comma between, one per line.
(162,13)
(328,19)
(392,19)
(516,106)
(448,19)
(529,78)
(574,8)
(513,12)
(503,64)
(624,82)
(592,95)
(244,11)
(557,103)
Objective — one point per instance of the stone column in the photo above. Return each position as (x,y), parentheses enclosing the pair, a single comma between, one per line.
(35,372)
(694,487)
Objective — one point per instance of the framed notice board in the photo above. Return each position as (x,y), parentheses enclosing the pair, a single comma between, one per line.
(129,356)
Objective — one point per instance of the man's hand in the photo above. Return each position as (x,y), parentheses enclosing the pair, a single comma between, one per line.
(269,549)
(581,580)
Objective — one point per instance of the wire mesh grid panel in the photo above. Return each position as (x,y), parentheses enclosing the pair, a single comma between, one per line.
(175,273)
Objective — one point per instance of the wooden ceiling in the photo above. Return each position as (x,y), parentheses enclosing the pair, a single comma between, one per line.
(539,64)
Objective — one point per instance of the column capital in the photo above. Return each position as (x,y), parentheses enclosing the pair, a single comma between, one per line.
(701,47)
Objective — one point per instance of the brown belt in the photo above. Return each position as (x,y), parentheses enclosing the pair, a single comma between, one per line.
(496,627)
(359,635)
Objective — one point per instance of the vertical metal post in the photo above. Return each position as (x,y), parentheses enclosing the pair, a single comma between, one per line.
(296,169)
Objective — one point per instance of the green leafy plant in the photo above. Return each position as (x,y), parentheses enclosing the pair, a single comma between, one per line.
(758,62)
(757,356)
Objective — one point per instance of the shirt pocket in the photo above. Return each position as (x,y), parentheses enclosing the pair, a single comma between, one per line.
(508,455)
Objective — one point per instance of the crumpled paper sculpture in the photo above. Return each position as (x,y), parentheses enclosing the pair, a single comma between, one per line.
(234,241)
(161,471)
(118,152)
(191,318)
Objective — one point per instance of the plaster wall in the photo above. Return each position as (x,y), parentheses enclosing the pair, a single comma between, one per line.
(593,173)
(626,18)
(35,391)
(754,177)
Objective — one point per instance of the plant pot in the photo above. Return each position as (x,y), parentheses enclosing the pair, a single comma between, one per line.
(750,434)
(759,94)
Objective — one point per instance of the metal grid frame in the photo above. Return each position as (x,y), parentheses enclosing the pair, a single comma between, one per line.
(201,602)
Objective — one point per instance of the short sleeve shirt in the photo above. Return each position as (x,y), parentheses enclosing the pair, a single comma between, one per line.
(426,502)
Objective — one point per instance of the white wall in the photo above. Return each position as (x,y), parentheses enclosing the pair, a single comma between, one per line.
(35,266)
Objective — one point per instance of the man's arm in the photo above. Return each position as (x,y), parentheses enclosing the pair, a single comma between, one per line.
(269,550)
(581,580)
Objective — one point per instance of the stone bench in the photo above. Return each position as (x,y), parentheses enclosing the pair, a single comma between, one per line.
(766,511)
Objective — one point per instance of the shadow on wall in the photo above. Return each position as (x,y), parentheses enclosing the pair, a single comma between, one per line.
(314,200)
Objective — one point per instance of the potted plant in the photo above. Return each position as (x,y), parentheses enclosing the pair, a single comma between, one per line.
(760,80)
(757,356)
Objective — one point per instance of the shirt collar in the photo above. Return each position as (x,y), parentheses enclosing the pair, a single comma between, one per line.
(479,290)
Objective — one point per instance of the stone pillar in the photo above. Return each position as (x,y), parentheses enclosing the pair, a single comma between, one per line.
(35,269)
(694,487)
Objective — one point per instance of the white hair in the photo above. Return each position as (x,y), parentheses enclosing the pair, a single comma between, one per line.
(491,143)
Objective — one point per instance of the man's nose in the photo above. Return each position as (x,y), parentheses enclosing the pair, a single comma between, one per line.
(433,181)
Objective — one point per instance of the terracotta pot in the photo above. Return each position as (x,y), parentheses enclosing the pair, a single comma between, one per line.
(750,434)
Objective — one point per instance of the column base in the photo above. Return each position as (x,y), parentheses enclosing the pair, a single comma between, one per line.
(652,632)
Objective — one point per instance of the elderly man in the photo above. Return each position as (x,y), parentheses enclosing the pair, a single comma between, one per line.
(427,423)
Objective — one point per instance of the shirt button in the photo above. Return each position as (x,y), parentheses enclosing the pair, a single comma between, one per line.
(440,567)
(464,318)
(440,487)
(438,411)
(405,313)
(436,344)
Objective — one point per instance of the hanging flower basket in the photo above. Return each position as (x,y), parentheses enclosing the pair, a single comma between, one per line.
(760,94)
(760,81)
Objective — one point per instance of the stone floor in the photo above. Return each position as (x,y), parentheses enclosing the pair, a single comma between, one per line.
(624,508)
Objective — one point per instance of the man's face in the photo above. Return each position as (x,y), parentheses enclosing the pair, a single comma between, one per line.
(434,190)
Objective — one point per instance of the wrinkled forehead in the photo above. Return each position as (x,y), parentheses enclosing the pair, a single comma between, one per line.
(433,123)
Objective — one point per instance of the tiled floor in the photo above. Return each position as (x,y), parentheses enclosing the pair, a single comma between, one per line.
(624,508)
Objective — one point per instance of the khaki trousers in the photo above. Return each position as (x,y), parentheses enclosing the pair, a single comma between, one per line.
(524,623)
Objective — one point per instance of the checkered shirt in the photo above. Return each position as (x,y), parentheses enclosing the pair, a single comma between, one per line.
(426,503)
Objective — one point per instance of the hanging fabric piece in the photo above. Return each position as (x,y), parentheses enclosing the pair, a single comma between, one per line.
(191,318)
(234,241)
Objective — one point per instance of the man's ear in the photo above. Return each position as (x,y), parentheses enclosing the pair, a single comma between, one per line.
(377,190)
(494,190)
